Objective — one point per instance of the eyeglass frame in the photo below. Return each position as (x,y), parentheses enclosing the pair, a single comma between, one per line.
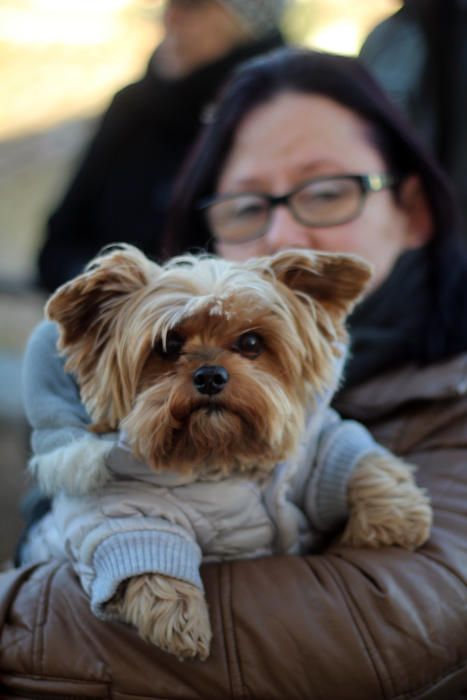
(371,182)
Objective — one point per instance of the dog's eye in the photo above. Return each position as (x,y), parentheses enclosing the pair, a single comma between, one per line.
(249,345)
(172,347)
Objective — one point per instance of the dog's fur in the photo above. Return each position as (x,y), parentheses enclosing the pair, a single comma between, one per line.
(135,333)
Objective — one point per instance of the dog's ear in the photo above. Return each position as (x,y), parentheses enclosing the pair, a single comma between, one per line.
(89,302)
(335,280)
(88,310)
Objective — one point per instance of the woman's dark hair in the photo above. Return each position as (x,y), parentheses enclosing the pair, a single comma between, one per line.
(346,81)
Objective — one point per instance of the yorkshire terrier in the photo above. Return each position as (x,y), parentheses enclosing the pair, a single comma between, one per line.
(210,370)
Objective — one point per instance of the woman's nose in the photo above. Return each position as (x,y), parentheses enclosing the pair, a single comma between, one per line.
(286,232)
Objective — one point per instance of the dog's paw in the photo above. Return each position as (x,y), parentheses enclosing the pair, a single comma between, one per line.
(386,505)
(170,613)
(77,468)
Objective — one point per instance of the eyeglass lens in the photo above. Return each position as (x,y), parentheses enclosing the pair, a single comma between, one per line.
(317,203)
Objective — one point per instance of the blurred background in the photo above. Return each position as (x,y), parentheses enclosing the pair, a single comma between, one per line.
(61,61)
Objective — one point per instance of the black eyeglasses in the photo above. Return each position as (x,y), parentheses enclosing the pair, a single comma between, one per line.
(320,202)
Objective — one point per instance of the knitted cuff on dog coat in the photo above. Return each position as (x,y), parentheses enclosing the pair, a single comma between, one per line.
(128,554)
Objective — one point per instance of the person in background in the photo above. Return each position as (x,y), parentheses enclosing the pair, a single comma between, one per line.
(304,150)
(419,55)
(122,187)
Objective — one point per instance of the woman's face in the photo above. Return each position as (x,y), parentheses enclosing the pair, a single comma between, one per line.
(296,137)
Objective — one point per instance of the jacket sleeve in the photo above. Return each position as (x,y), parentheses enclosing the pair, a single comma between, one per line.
(62,444)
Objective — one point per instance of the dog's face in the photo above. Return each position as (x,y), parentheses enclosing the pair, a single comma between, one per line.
(206,364)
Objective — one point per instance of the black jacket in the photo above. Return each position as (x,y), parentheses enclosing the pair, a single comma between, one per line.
(122,188)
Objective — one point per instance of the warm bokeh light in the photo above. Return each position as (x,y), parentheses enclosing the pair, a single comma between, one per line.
(341,27)
(340,36)
(64,58)
(70,27)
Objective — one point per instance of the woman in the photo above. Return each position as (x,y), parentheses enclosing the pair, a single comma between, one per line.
(305,151)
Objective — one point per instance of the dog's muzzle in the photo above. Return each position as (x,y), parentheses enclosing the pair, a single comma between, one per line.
(210,379)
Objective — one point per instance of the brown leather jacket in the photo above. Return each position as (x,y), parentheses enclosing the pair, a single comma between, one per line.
(342,625)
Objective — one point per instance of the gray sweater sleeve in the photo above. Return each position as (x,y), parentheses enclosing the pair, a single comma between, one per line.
(61,440)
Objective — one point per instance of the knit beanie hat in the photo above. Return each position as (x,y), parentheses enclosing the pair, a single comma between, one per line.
(261,16)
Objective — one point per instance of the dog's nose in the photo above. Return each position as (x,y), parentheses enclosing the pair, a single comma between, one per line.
(210,379)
